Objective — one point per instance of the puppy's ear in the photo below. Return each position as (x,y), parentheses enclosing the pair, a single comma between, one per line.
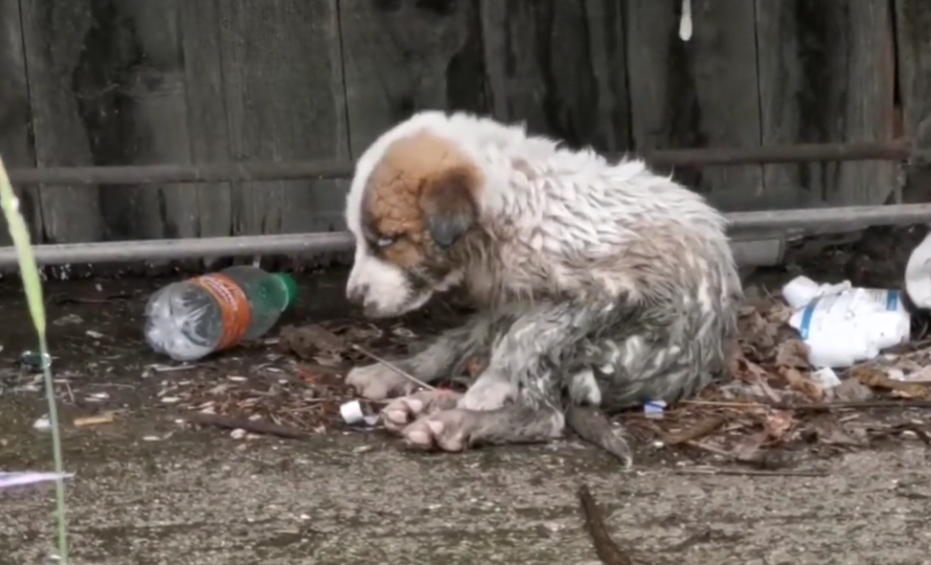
(449,207)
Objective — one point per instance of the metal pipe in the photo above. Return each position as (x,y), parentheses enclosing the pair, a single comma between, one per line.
(170,249)
(266,171)
(816,220)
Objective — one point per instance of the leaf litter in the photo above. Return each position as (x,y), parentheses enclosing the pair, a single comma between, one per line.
(774,400)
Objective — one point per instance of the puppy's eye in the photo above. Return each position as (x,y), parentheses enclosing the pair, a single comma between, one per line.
(385,241)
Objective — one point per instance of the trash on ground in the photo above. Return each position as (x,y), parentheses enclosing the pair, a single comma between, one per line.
(353,415)
(843,325)
(35,361)
(10,479)
(654,409)
(97,420)
(191,319)
(42,424)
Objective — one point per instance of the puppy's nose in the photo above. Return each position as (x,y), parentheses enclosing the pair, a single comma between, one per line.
(356,294)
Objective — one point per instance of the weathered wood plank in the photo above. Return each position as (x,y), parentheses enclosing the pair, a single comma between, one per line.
(284,99)
(15,144)
(406,55)
(152,110)
(913,38)
(560,67)
(208,128)
(827,75)
(699,93)
(54,37)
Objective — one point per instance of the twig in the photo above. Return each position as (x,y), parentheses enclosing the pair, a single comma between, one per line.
(851,404)
(723,404)
(697,432)
(856,404)
(751,472)
(254,426)
(393,367)
(608,551)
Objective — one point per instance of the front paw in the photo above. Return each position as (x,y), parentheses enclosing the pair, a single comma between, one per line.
(402,411)
(449,430)
(378,382)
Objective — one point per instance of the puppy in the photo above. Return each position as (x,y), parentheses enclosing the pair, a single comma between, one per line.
(597,284)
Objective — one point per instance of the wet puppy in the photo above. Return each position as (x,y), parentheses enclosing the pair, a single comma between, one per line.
(598,284)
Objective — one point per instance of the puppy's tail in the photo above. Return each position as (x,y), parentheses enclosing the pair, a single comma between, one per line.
(592,426)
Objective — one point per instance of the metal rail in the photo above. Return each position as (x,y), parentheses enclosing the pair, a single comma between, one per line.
(822,219)
(896,150)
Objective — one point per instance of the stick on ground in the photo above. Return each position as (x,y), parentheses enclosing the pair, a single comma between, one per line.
(608,551)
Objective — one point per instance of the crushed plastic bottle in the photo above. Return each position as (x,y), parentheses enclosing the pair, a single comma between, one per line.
(842,324)
(191,319)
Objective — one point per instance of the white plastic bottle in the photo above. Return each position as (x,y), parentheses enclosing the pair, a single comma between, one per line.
(191,319)
(842,325)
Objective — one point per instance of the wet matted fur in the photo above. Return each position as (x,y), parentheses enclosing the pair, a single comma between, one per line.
(598,284)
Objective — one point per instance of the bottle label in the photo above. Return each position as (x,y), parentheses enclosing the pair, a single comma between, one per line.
(234,307)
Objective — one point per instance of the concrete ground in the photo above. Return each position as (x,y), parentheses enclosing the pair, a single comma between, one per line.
(147,491)
(359,500)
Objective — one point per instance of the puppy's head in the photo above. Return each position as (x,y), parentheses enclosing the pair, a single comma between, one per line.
(417,206)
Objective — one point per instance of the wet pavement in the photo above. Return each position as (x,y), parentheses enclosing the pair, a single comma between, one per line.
(148,491)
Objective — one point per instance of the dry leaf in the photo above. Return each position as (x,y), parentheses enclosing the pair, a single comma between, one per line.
(778,423)
(830,432)
(310,341)
(799,382)
(778,314)
(877,378)
(748,447)
(851,390)
(744,369)
(792,353)
(922,375)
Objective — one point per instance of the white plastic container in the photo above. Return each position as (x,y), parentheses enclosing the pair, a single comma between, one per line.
(918,274)
(800,291)
(842,325)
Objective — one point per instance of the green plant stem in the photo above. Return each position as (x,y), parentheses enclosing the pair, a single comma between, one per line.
(56,451)
(32,287)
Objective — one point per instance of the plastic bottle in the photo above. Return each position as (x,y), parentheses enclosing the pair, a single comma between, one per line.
(843,325)
(191,319)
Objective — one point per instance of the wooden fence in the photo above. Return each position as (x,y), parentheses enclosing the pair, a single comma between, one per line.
(107,82)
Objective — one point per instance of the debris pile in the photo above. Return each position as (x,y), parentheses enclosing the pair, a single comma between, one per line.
(775,399)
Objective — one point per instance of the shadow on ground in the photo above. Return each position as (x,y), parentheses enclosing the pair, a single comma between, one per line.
(150,491)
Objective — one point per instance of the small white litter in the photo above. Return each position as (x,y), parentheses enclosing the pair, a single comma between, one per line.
(353,415)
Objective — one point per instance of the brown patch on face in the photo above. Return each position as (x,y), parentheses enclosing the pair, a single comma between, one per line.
(423,196)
